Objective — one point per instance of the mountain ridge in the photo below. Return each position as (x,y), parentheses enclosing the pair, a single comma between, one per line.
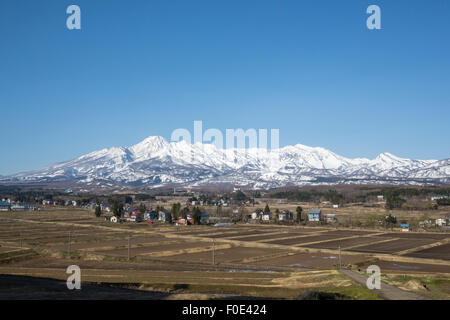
(156,162)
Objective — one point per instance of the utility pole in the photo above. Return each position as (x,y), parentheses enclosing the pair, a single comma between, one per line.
(70,239)
(128,248)
(340,263)
(214,252)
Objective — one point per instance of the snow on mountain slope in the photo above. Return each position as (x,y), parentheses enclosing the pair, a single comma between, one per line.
(155,162)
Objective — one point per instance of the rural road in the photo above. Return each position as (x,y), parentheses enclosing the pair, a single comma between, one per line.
(387,291)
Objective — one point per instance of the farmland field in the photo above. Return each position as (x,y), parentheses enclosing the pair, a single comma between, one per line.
(343,244)
(315,260)
(244,259)
(410,235)
(439,252)
(393,246)
(231,255)
(299,240)
(151,248)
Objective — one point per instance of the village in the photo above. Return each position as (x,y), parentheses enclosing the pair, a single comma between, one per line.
(187,207)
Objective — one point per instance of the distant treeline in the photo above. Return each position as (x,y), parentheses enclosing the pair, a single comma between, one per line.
(144,197)
(310,196)
(18,194)
(394,196)
(411,192)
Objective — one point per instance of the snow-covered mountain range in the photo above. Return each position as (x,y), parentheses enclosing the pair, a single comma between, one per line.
(156,162)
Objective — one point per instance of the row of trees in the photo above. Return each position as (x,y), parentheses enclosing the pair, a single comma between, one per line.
(393,201)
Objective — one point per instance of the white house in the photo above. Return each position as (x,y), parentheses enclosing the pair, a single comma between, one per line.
(163,215)
(256,215)
(441,222)
(266,216)
(315,215)
(23,206)
(404,226)
(439,197)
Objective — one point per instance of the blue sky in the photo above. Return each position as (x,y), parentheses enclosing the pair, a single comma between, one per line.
(141,68)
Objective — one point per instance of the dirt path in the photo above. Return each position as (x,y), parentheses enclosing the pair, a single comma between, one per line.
(387,291)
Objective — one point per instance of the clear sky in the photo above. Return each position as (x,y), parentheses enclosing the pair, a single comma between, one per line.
(140,68)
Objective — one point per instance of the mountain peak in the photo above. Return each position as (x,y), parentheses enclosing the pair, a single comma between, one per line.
(148,145)
(153,140)
(389,157)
